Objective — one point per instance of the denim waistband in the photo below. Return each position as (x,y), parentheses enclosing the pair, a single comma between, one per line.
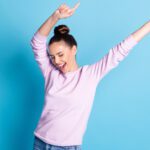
(41,145)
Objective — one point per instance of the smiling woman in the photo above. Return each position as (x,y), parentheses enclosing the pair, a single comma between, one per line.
(69,93)
(63,45)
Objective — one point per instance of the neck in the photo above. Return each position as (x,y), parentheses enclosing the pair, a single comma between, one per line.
(74,66)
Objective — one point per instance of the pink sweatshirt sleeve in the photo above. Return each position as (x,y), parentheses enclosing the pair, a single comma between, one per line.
(39,46)
(112,58)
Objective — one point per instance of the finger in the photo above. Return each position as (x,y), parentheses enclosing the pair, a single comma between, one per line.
(66,7)
(62,6)
(76,6)
(70,12)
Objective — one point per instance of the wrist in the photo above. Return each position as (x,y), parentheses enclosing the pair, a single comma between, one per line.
(55,16)
(148,26)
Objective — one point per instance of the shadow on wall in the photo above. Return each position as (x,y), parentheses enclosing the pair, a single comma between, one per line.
(21,94)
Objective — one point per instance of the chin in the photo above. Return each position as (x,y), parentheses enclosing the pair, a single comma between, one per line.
(63,71)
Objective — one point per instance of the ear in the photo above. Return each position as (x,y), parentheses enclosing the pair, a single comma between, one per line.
(74,49)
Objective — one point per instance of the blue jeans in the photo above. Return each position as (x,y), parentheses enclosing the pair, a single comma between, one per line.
(41,145)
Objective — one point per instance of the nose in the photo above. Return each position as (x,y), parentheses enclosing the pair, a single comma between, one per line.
(57,61)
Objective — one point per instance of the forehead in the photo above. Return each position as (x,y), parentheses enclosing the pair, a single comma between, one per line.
(58,47)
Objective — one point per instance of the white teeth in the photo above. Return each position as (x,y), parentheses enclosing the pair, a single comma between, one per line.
(61,65)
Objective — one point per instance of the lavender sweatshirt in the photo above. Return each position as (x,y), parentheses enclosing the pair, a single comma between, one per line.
(69,96)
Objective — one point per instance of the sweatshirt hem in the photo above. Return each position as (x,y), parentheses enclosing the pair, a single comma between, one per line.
(53,143)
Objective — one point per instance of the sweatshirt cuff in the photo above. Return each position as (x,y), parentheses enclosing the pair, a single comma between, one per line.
(40,37)
(129,42)
(132,41)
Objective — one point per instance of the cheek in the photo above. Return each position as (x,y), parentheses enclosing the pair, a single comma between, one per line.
(67,57)
(70,56)
(69,60)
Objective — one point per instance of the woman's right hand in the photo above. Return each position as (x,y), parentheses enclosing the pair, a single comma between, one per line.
(64,11)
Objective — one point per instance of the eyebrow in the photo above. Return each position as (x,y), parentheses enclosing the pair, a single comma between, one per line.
(56,53)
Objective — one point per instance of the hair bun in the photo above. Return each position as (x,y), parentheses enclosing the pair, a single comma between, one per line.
(61,30)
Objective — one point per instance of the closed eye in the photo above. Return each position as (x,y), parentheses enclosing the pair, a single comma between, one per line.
(53,57)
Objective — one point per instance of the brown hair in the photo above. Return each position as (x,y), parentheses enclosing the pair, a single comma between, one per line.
(61,32)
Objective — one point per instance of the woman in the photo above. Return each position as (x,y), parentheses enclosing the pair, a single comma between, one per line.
(70,88)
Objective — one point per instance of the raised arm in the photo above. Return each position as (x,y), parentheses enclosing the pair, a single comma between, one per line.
(38,41)
(62,12)
(117,53)
(142,32)
(39,45)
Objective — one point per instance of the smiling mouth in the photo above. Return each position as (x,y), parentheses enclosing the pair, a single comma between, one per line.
(62,66)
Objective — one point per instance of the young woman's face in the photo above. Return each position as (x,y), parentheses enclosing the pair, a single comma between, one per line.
(62,56)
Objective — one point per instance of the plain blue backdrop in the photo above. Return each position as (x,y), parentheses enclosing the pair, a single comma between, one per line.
(120,118)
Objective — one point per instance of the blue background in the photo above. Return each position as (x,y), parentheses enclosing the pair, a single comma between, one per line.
(120,118)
